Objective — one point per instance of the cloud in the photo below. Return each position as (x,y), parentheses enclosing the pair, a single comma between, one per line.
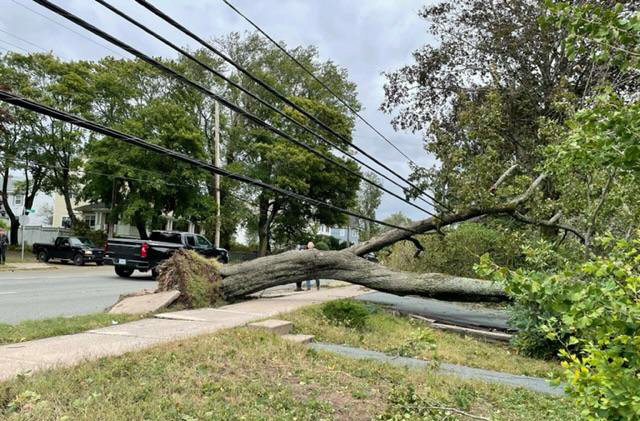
(366,37)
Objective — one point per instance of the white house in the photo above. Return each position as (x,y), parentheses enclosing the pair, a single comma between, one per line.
(42,204)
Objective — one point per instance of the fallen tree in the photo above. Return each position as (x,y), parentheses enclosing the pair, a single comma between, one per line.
(347,265)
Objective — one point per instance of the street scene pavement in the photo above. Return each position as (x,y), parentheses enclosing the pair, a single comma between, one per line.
(63,291)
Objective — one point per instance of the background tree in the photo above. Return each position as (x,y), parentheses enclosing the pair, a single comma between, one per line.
(146,186)
(21,138)
(369,199)
(494,92)
(265,156)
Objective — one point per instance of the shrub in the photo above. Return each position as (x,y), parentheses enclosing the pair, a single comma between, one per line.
(420,340)
(350,313)
(591,313)
(457,252)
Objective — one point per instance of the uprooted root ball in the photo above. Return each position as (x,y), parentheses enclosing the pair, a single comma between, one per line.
(196,277)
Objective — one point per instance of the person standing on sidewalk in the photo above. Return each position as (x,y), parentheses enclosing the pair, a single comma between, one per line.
(4,243)
(310,246)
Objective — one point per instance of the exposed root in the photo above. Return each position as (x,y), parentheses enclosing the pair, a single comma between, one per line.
(197,278)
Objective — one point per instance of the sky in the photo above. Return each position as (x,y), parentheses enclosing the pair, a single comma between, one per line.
(365,37)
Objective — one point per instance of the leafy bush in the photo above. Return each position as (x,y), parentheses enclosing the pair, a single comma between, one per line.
(458,251)
(591,313)
(421,340)
(349,313)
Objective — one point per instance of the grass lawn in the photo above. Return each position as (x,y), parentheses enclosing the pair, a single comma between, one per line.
(35,329)
(413,338)
(243,374)
(15,256)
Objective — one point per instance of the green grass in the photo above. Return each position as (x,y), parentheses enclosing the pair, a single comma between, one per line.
(402,335)
(243,374)
(15,256)
(35,329)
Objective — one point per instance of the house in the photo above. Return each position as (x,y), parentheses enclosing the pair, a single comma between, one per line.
(95,215)
(42,204)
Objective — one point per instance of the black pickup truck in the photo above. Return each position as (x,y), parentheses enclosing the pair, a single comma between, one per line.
(128,254)
(78,250)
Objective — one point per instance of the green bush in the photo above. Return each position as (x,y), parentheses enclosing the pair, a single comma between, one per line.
(457,251)
(349,313)
(590,312)
(321,245)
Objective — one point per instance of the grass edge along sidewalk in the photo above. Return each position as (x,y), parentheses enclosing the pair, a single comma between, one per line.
(253,375)
(68,350)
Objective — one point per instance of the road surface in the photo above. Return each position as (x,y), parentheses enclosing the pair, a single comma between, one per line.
(68,290)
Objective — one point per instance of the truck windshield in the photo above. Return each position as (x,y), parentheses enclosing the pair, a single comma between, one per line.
(81,241)
(166,237)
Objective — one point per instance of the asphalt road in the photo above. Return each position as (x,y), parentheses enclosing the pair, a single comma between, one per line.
(71,290)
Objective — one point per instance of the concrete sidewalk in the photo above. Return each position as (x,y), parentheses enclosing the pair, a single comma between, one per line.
(20,266)
(68,350)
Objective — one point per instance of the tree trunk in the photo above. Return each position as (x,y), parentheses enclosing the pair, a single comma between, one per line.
(294,266)
(13,219)
(69,205)
(263,226)
(141,226)
(348,265)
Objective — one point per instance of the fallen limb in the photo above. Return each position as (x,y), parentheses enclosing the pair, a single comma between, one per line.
(294,266)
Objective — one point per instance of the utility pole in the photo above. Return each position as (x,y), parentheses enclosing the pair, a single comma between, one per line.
(216,152)
(23,221)
(110,222)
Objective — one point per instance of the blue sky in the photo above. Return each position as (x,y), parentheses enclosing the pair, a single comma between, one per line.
(365,37)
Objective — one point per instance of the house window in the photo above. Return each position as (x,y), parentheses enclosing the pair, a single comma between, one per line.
(90,220)
(17,200)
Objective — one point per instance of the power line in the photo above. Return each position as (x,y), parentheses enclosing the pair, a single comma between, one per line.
(234,107)
(275,92)
(24,40)
(69,29)
(14,45)
(331,91)
(257,98)
(107,131)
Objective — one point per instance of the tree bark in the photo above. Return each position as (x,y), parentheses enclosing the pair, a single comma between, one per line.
(13,219)
(141,226)
(348,265)
(294,266)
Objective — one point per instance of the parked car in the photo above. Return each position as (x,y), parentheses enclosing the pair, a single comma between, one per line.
(78,250)
(128,255)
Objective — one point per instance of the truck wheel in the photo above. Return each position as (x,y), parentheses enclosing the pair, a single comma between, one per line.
(78,260)
(43,256)
(99,262)
(123,272)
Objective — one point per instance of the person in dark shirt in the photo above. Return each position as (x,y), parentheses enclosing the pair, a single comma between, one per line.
(4,243)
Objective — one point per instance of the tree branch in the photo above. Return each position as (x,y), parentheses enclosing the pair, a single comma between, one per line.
(419,247)
(503,177)
(520,217)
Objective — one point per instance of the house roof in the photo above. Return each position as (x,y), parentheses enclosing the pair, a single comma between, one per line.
(92,207)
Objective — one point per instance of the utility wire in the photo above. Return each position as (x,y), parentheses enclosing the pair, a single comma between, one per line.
(324,85)
(107,131)
(15,46)
(24,40)
(257,98)
(278,94)
(252,117)
(69,29)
